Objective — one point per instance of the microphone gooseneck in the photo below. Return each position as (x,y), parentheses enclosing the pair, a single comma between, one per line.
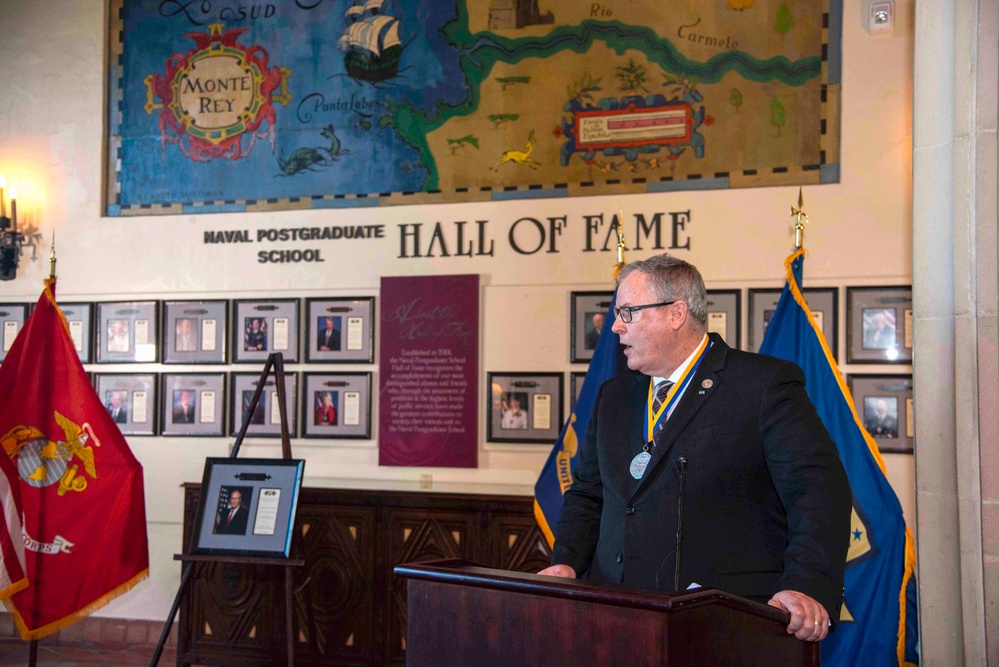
(681,466)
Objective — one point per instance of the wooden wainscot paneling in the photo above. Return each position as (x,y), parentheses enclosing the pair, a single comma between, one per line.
(349,608)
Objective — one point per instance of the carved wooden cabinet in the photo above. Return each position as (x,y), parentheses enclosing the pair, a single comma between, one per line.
(351,540)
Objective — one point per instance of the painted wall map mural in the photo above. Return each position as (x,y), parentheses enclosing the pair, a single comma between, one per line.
(233,105)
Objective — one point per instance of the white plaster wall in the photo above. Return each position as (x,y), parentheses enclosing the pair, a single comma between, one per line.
(51,144)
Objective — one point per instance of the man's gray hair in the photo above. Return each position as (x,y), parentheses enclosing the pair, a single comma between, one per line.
(673,279)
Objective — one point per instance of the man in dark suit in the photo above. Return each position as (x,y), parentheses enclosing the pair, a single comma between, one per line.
(183,410)
(255,336)
(118,411)
(232,521)
(878,419)
(735,442)
(329,337)
(593,333)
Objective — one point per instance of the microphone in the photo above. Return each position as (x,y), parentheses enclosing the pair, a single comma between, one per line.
(681,466)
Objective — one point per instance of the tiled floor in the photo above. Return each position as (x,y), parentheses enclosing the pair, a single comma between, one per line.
(61,654)
(90,641)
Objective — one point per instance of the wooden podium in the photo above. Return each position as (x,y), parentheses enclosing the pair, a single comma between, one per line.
(460,614)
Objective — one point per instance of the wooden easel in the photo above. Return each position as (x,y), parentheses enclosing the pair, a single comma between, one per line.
(190,561)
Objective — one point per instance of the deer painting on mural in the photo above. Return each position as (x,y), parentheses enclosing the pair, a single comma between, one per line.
(520,157)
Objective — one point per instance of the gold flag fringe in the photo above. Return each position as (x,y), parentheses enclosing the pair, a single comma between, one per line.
(56,626)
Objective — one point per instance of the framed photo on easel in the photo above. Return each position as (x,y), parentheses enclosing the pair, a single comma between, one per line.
(248,506)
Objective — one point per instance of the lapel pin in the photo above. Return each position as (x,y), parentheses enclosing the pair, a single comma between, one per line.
(707,384)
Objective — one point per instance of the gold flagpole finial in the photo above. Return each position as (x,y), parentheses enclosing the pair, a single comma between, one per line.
(620,243)
(799,225)
(52,259)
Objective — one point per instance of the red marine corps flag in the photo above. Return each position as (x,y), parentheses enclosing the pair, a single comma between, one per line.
(81,488)
(12,577)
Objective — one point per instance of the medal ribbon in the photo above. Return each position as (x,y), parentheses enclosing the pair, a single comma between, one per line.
(653,420)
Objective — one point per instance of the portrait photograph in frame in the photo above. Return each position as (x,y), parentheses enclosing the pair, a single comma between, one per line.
(725,315)
(126,332)
(524,407)
(336,405)
(130,399)
(266,419)
(194,332)
(192,404)
(260,327)
(80,318)
(884,405)
(12,319)
(588,313)
(575,386)
(879,325)
(248,507)
(822,301)
(340,330)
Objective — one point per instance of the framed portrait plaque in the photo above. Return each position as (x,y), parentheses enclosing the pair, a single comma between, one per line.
(822,301)
(193,404)
(194,332)
(340,330)
(336,405)
(266,419)
(262,327)
(884,405)
(524,407)
(575,386)
(588,312)
(12,319)
(126,332)
(248,507)
(130,398)
(80,318)
(879,325)
(725,315)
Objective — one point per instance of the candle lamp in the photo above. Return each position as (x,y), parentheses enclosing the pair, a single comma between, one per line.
(11,241)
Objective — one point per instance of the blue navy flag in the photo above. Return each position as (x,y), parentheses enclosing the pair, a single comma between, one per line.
(882,556)
(556,476)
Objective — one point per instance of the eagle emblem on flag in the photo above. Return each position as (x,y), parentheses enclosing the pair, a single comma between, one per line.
(42,462)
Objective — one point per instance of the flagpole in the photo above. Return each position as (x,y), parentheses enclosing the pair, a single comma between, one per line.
(620,245)
(33,646)
(799,225)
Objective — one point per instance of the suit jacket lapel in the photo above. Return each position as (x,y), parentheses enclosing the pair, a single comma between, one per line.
(694,398)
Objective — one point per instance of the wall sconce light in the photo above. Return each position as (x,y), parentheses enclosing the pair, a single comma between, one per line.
(11,240)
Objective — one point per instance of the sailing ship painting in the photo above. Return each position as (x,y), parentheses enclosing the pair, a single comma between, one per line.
(370,42)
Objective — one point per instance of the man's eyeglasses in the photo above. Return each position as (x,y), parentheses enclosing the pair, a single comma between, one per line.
(626,312)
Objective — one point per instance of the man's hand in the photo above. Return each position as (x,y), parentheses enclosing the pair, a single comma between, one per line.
(559,571)
(809,620)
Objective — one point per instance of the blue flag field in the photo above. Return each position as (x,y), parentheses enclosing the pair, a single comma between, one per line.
(882,556)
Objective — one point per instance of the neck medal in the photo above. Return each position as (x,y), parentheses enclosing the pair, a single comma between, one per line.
(640,463)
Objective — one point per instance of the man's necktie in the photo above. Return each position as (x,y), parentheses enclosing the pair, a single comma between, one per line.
(662,390)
